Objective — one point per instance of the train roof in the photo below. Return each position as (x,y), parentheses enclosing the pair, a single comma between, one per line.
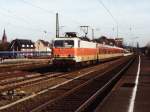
(81,38)
(86,39)
(108,46)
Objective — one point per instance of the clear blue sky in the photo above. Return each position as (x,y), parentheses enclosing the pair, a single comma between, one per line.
(30,18)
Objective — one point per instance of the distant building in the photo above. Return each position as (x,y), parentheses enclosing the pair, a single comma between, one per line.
(102,40)
(119,42)
(42,45)
(106,41)
(22,45)
(4,38)
(109,41)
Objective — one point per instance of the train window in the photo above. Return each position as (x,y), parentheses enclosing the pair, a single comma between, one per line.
(64,43)
(99,51)
(104,52)
(68,43)
(58,43)
(79,43)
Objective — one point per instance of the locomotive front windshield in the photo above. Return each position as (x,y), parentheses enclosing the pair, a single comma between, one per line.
(64,43)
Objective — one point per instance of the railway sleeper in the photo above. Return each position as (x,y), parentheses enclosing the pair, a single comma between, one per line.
(12,94)
(63,101)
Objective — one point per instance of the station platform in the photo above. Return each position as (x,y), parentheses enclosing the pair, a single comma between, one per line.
(132,92)
(6,62)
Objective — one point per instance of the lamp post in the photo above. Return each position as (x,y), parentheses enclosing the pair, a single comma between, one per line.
(117,29)
(45,32)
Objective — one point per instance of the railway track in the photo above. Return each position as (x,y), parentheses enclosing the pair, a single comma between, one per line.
(22,79)
(22,66)
(27,72)
(11,81)
(76,99)
(6,75)
(11,88)
(57,87)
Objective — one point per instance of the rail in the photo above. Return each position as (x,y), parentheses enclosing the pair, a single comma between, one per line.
(80,88)
(86,106)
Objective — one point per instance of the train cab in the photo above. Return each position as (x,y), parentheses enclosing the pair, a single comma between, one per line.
(64,50)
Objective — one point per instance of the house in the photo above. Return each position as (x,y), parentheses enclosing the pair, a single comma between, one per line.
(42,45)
(109,41)
(22,45)
(104,40)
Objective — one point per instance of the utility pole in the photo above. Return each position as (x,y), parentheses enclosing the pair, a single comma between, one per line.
(45,32)
(137,48)
(92,34)
(57,26)
(117,29)
(85,29)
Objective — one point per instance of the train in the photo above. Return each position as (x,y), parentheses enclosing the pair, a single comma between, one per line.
(70,51)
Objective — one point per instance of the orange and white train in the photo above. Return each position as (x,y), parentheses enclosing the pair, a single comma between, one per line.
(69,51)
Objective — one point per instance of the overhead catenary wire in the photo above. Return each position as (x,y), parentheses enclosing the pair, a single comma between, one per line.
(6,14)
(109,12)
(45,10)
(53,12)
(22,18)
(100,1)
(14,17)
(38,7)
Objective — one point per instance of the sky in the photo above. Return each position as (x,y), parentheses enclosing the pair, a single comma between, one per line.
(35,19)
